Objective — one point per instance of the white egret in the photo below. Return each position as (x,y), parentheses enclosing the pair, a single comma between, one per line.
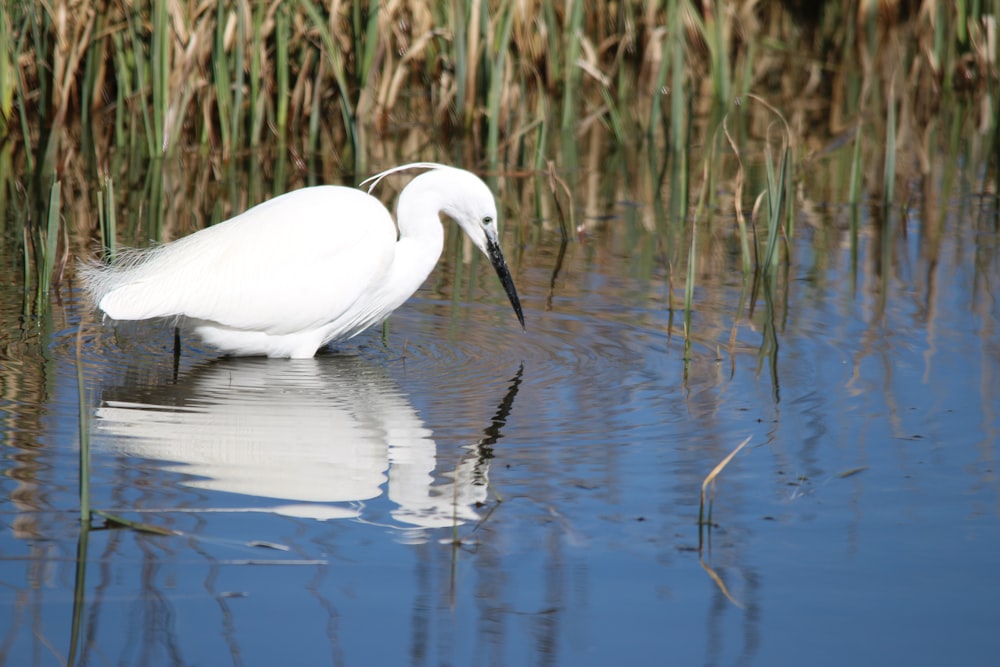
(310,267)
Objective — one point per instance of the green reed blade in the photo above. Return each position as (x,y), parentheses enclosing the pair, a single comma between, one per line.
(47,246)
(692,262)
(541,142)
(102,223)
(26,269)
(123,78)
(121,522)
(774,197)
(334,57)
(719,44)
(573,74)
(554,66)
(711,28)
(787,186)
(678,145)
(746,77)
(84,466)
(153,196)
(699,211)
(741,223)
(257,100)
(90,87)
(160,74)
(110,228)
(457,16)
(777,186)
(281,46)
(614,116)
(497,84)
(220,70)
(315,112)
(854,188)
(678,139)
(366,39)
(40,29)
(961,21)
(656,104)
(23,112)
(139,67)
(8,181)
(239,77)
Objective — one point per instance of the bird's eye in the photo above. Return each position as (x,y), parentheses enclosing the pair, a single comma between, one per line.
(487,221)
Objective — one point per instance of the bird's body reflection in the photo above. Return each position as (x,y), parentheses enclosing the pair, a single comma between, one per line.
(318,434)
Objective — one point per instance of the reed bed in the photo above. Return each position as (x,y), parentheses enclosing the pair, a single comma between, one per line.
(157,76)
(89,90)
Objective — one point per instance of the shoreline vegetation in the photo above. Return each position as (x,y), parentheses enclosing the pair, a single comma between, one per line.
(702,105)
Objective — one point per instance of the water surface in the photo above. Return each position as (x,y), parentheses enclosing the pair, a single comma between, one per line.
(456,491)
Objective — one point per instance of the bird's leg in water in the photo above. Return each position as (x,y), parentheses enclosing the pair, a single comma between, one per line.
(385,333)
(177,351)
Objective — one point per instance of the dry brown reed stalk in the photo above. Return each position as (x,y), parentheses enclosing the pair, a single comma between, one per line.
(727,47)
(709,482)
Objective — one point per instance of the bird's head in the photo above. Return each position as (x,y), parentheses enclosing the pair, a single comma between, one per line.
(466,199)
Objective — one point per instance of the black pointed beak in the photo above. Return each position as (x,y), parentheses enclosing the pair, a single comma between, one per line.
(503,273)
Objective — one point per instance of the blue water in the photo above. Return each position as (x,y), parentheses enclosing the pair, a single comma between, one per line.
(461,492)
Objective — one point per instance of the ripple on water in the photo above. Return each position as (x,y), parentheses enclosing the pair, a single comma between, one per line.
(620,368)
(556,346)
(619,360)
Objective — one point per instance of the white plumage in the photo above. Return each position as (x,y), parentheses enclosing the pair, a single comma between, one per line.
(306,268)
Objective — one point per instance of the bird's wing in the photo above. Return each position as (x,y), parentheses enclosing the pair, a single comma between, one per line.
(290,264)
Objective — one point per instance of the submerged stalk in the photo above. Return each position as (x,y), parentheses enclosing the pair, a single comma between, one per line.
(84,464)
